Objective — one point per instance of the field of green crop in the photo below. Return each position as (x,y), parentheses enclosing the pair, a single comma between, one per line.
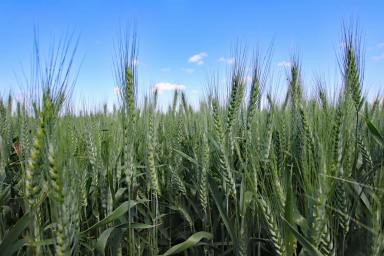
(245,174)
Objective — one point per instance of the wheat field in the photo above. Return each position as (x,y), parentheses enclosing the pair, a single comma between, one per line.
(242,174)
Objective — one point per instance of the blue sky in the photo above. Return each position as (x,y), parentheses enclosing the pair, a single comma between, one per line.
(182,43)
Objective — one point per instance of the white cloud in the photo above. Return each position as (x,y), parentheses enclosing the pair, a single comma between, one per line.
(198,58)
(116,90)
(227,60)
(342,45)
(248,79)
(286,64)
(380,45)
(378,57)
(165,86)
(22,95)
(136,62)
(188,70)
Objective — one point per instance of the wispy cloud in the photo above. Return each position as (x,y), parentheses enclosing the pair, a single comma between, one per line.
(195,92)
(198,58)
(165,69)
(188,70)
(380,45)
(165,86)
(226,60)
(378,57)
(286,64)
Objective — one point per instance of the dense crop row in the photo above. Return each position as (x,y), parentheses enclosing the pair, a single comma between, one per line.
(237,177)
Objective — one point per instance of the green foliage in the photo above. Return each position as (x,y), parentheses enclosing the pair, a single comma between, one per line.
(304,177)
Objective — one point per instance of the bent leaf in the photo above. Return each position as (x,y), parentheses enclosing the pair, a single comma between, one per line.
(117,213)
(192,241)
